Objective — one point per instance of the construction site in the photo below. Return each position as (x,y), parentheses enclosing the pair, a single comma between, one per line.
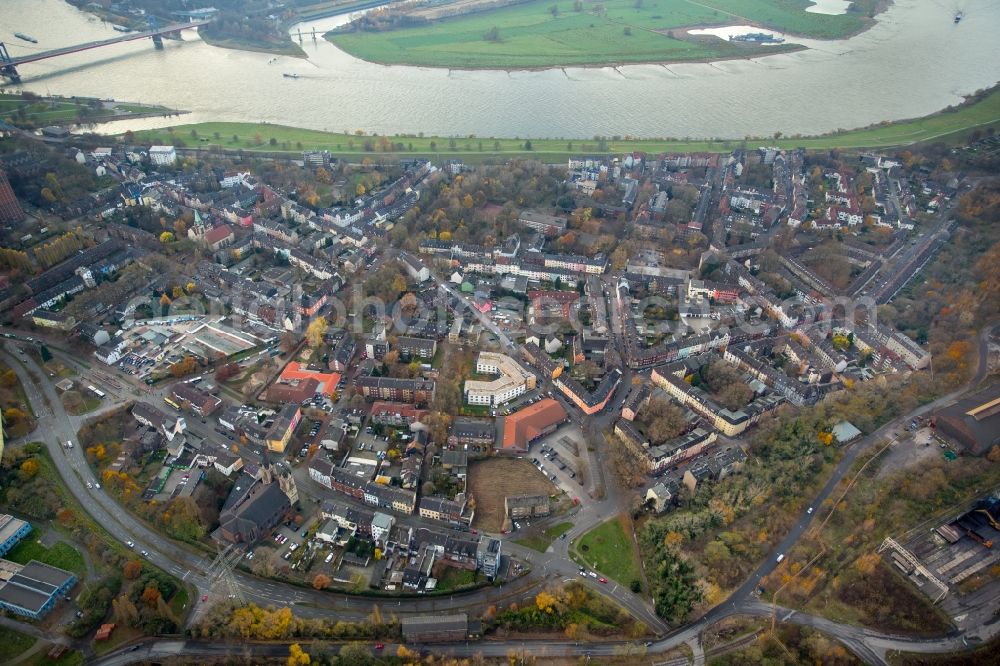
(941,558)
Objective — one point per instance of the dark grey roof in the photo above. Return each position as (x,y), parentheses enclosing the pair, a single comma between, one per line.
(33,585)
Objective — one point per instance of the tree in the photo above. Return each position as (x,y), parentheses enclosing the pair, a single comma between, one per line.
(13,417)
(355,654)
(491,35)
(663,419)
(226,372)
(554,10)
(132,569)
(296,657)
(321,581)
(545,601)
(315,332)
(151,595)
(29,468)
(360,190)
(167,237)
(185,366)
(288,341)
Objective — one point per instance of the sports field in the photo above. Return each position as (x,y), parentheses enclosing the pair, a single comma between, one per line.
(944,126)
(542,33)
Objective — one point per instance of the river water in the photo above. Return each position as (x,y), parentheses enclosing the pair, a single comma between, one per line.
(913,62)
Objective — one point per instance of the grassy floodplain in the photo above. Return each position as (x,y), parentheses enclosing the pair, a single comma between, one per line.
(981,113)
(532,35)
(35,111)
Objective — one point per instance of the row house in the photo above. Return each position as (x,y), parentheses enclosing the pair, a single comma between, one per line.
(318,268)
(276,230)
(590,402)
(659,458)
(328,475)
(445,510)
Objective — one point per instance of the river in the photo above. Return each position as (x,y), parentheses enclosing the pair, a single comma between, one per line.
(913,62)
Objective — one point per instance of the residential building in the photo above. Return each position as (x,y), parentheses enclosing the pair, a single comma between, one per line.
(377,344)
(662,495)
(381,526)
(590,402)
(443,509)
(477,433)
(412,348)
(285,422)
(414,267)
(513,381)
(152,417)
(396,413)
(658,458)
(187,395)
(542,222)
(551,303)
(57,320)
(727,422)
(419,391)
(162,155)
(637,398)
(526,506)
(488,556)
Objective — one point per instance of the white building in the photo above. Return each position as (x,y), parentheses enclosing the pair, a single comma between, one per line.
(162,154)
(513,381)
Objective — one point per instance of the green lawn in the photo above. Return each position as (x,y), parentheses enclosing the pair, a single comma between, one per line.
(13,643)
(610,551)
(453,578)
(982,113)
(60,555)
(558,529)
(626,31)
(542,541)
(73,658)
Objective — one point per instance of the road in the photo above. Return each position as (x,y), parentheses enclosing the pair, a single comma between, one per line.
(56,428)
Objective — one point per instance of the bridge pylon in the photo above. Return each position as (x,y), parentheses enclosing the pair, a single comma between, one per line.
(157,39)
(6,68)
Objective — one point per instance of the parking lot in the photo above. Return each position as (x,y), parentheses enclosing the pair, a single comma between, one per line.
(561,457)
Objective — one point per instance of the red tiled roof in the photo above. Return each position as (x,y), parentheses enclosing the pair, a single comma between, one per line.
(216,234)
(526,424)
(295,371)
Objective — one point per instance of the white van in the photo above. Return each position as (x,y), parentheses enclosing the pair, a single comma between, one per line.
(69,444)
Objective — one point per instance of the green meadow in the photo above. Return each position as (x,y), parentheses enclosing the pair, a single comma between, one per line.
(543,33)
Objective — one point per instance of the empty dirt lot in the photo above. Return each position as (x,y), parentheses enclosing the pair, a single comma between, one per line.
(493,479)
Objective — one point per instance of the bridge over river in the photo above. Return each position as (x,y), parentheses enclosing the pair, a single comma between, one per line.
(9,64)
